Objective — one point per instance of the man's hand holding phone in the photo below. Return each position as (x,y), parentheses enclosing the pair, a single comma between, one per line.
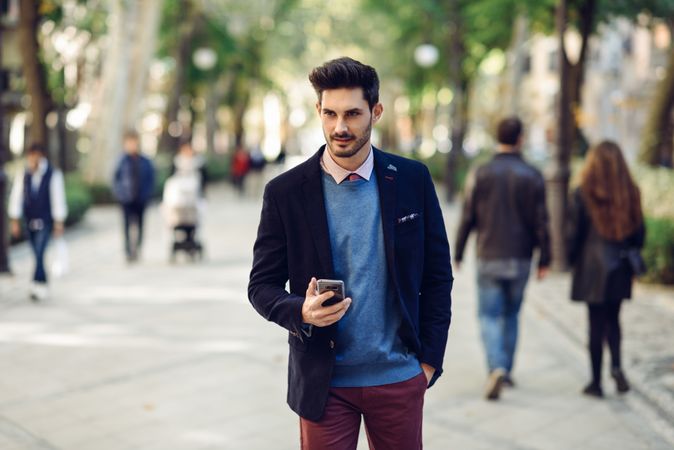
(315,313)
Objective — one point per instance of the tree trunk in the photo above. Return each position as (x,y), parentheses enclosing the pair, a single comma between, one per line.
(61,135)
(558,173)
(107,118)
(517,56)
(33,71)
(144,43)
(656,148)
(213,101)
(240,109)
(131,40)
(4,157)
(4,260)
(186,30)
(459,105)
(587,12)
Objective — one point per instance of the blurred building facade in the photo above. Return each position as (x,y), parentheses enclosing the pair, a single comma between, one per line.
(625,61)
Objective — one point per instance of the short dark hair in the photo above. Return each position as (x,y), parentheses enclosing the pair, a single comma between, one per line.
(185,140)
(509,130)
(346,72)
(36,147)
(131,134)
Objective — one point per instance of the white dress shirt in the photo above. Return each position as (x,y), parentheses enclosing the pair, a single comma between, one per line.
(57,193)
(340,174)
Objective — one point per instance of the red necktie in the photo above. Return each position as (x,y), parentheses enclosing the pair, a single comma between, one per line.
(354,177)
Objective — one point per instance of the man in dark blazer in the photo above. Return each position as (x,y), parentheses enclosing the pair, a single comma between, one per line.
(371,219)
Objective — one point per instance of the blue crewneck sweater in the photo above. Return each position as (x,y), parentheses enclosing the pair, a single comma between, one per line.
(369,351)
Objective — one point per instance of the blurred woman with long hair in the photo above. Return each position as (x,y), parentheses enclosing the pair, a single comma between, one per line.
(606,225)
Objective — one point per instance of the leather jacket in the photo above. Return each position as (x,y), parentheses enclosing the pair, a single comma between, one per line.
(505,204)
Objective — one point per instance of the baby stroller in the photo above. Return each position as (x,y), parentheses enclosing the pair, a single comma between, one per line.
(182,204)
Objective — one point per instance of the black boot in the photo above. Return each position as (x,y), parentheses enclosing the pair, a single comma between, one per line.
(620,381)
(593,390)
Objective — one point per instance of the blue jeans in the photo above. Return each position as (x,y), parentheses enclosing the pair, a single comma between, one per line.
(39,239)
(499,302)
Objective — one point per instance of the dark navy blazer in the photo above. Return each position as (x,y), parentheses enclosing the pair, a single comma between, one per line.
(293,245)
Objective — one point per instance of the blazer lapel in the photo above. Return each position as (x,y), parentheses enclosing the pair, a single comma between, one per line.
(386,174)
(315,214)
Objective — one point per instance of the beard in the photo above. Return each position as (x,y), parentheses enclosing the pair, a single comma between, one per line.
(353,148)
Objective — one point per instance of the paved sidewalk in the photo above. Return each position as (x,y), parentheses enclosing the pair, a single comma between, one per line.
(162,357)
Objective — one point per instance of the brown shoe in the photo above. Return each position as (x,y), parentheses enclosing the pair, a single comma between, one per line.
(494,384)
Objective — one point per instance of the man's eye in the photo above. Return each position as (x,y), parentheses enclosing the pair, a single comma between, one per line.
(353,113)
(328,113)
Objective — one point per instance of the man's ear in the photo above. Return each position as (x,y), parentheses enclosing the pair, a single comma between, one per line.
(377,111)
(318,108)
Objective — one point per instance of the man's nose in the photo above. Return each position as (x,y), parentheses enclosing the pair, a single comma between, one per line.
(340,126)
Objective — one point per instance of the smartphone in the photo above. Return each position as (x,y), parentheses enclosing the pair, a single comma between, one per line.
(337,286)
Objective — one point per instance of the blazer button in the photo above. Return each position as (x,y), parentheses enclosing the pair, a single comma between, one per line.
(332,343)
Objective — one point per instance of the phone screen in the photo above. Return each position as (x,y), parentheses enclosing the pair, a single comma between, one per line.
(337,286)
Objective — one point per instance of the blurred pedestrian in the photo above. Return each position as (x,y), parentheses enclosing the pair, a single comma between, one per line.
(606,233)
(371,220)
(240,168)
(188,162)
(38,196)
(133,186)
(505,204)
(183,201)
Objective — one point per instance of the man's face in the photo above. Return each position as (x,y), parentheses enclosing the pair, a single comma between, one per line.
(131,145)
(347,121)
(186,150)
(33,160)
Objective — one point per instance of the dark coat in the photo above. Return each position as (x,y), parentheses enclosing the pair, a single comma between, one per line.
(505,204)
(601,271)
(293,245)
(133,187)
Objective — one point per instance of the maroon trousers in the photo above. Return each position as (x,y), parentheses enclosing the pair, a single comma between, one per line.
(393,414)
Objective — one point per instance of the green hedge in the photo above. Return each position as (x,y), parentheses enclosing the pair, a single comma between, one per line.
(217,167)
(78,198)
(101,193)
(657,197)
(658,252)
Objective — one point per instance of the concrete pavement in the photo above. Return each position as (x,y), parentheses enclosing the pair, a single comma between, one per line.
(162,357)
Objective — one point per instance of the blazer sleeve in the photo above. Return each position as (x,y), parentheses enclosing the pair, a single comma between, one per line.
(268,277)
(435,309)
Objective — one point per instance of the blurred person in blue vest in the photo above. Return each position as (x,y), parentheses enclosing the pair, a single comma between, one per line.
(38,197)
(133,186)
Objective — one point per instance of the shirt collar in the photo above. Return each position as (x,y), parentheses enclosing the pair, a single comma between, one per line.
(42,168)
(339,173)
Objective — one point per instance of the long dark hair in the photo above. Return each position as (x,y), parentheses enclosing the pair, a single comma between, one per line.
(608,190)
